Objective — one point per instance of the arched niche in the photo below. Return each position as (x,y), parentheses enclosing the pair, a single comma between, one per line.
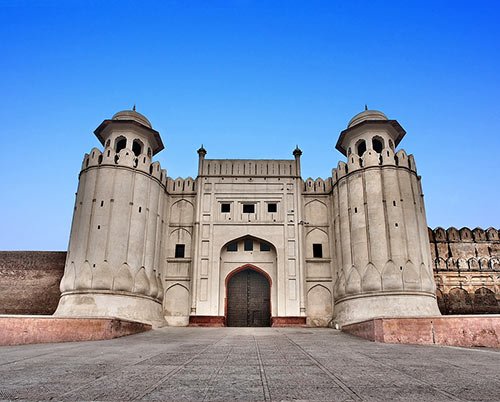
(182,212)
(316,213)
(319,237)
(459,301)
(176,305)
(319,306)
(179,236)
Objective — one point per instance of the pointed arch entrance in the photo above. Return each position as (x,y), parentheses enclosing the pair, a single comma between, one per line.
(248,298)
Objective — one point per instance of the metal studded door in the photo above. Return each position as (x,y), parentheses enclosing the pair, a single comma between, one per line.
(248,303)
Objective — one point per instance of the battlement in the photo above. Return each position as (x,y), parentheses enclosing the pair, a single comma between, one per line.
(465,249)
(125,158)
(371,158)
(248,168)
(318,186)
(181,186)
(454,235)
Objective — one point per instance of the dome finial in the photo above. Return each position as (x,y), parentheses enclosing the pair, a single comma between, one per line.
(297,151)
(202,151)
(366,107)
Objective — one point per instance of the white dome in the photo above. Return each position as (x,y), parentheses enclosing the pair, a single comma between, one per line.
(132,115)
(366,115)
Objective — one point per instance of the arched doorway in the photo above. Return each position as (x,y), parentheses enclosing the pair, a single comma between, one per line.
(248,299)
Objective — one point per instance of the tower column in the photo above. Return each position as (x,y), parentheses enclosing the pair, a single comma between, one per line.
(112,268)
(384,261)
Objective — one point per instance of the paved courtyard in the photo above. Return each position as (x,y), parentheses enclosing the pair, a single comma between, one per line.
(247,364)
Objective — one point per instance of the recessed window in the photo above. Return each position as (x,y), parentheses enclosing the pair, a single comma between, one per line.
(272,207)
(180,250)
(317,250)
(121,143)
(377,144)
(137,147)
(265,247)
(361,147)
(225,207)
(248,245)
(248,208)
(232,246)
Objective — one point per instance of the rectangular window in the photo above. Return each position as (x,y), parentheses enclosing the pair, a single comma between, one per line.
(265,247)
(317,250)
(272,207)
(248,208)
(179,250)
(248,245)
(232,246)
(225,208)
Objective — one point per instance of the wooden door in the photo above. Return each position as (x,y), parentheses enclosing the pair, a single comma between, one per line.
(248,300)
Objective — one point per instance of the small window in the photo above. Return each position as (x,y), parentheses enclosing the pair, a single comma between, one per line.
(377,144)
(225,208)
(232,246)
(361,147)
(272,207)
(317,250)
(121,143)
(248,245)
(265,247)
(248,208)
(179,250)
(137,147)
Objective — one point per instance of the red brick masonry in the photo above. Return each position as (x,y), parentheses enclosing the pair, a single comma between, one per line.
(468,331)
(288,321)
(21,330)
(220,321)
(207,321)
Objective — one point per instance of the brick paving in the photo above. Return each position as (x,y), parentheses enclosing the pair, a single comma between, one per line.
(259,364)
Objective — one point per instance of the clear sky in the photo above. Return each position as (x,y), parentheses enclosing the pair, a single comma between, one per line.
(248,79)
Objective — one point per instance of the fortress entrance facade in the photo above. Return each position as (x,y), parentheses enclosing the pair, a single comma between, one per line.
(248,242)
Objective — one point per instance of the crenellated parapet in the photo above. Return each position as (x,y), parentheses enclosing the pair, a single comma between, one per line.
(181,186)
(124,158)
(465,249)
(318,186)
(386,158)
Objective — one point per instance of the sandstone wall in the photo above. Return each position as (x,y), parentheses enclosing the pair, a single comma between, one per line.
(466,269)
(29,281)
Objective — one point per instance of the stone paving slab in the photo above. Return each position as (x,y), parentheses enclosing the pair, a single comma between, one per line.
(249,364)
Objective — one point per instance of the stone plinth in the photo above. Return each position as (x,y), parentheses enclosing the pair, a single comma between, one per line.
(22,330)
(467,331)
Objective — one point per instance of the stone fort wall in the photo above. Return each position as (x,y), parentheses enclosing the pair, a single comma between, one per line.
(466,270)
(29,281)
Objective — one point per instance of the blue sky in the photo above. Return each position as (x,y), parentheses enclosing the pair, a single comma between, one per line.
(248,79)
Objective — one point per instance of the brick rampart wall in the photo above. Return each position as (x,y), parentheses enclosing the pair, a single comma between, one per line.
(29,281)
(466,270)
